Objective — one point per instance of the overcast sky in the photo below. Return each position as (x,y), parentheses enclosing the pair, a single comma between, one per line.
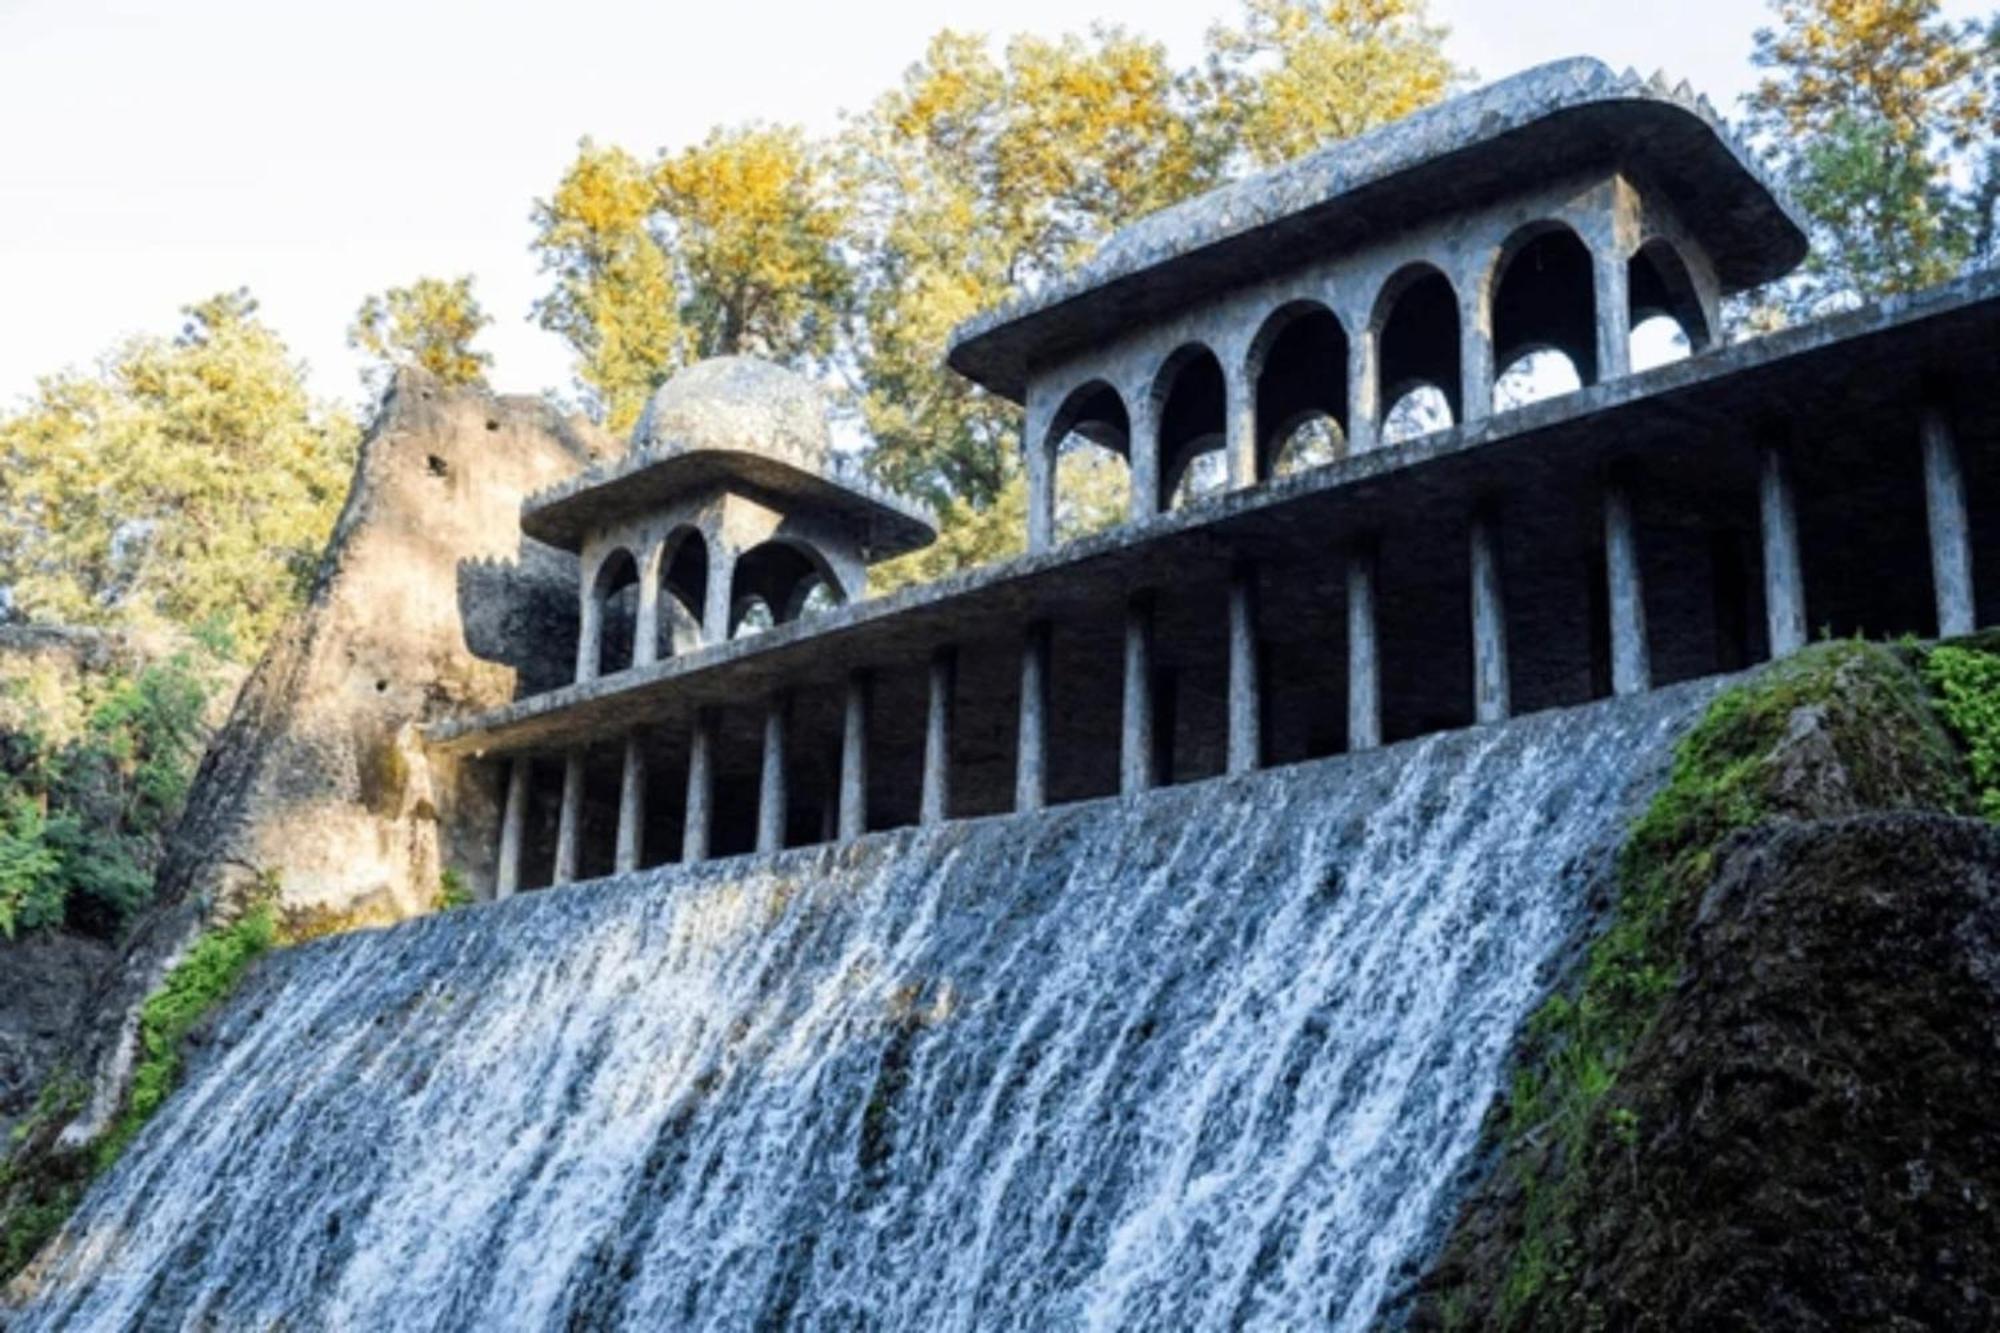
(152,154)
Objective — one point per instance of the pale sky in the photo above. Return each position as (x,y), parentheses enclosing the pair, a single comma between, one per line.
(152,154)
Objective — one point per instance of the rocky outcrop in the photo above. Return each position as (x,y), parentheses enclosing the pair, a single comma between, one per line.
(428,602)
(1761,1100)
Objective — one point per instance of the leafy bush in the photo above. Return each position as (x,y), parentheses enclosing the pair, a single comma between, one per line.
(83,817)
(1966,685)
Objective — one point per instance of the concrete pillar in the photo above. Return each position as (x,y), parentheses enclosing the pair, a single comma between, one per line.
(717,596)
(631,808)
(773,778)
(1040,453)
(513,825)
(1475,351)
(569,822)
(935,805)
(1491,694)
(1031,762)
(1143,451)
(1631,658)
(1611,287)
(854,759)
(1240,418)
(1364,653)
(700,819)
(1246,703)
(1950,529)
(1364,390)
(1784,579)
(590,632)
(1135,768)
(646,624)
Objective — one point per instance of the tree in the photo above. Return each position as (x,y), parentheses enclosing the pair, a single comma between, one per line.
(613,301)
(752,221)
(732,245)
(1297,74)
(1878,111)
(189,481)
(430,325)
(978,176)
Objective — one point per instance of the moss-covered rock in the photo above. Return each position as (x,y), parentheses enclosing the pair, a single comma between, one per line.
(1838,731)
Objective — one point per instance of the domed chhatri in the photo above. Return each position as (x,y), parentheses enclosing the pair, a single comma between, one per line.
(731,497)
(738,404)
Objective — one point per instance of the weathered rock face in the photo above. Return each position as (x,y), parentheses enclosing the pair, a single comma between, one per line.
(428,602)
(1817,1147)
(46,985)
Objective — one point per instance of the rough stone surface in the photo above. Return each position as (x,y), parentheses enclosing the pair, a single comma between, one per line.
(47,983)
(730,422)
(427,603)
(1816,1147)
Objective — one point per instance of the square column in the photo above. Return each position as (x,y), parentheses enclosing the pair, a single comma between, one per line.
(1475,352)
(1246,703)
(1491,691)
(1631,657)
(590,631)
(1364,390)
(935,804)
(1031,764)
(1950,529)
(1240,429)
(854,759)
(646,624)
(631,808)
(1784,580)
(1040,452)
(1142,451)
(700,817)
(569,823)
(1364,655)
(1611,286)
(772,784)
(513,822)
(1136,771)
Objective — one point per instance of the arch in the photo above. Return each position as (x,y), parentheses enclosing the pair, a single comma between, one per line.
(1298,365)
(614,587)
(750,615)
(1543,298)
(1533,376)
(683,576)
(1418,358)
(1090,449)
(1662,288)
(1190,397)
(780,574)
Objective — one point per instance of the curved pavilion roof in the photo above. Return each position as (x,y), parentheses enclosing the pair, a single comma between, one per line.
(1452,156)
(730,419)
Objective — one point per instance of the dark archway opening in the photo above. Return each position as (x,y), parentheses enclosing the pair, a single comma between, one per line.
(1090,440)
(617,592)
(1193,399)
(1301,390)
(1544,313)
(1418,354)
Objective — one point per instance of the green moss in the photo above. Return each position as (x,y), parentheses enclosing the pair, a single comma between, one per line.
(1965,682)
(1744,762)
(41,1182)
(189,993)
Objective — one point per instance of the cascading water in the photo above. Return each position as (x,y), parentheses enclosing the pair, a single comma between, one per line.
(1210,1059)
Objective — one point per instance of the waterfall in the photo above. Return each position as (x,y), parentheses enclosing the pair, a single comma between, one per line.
(1211,1058)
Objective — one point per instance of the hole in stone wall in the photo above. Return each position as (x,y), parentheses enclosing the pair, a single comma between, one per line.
(492,423)
(1541,374)
(436,466)
(1419,412)
(1659,341)
(1314,441)
(1093,488)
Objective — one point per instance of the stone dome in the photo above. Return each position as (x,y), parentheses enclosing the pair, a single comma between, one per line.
(739,404)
